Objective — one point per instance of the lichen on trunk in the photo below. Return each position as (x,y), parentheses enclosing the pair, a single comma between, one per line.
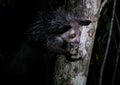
(75,72)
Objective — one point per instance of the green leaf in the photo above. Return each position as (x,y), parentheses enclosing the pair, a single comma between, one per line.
(99,38)
(96,56)
(105,11)
(109,1)
(108,26)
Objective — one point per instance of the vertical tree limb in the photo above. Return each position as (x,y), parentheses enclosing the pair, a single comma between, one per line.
(118,53)
(75,72)
(108,44)
(118,23)
(102,5)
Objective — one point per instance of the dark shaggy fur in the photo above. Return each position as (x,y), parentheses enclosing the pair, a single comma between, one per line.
(49,25)
(33,58)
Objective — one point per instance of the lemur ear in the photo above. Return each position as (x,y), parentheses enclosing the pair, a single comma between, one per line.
(65,28)
(84,22)
(61,30)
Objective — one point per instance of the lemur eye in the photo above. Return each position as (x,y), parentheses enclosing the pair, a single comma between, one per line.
(73,36)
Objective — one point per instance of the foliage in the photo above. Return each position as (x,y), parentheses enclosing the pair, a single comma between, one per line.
(100,45)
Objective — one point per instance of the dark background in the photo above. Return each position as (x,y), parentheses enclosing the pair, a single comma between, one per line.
(17,15)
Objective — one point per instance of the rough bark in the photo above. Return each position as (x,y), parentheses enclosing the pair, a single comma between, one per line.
(75,73)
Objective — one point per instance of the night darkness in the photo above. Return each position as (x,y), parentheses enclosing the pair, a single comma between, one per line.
(15,18)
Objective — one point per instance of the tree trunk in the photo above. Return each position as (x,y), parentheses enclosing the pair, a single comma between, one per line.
(75,73)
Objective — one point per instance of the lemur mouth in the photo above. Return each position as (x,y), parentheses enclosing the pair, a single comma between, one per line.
(74,54)
(73,58)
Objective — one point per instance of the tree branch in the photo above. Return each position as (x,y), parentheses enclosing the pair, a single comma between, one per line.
(116,62)
(102,5)
(118,51)
(116,18)
(108,43)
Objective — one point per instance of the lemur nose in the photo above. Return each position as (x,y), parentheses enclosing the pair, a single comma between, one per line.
(77,41)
